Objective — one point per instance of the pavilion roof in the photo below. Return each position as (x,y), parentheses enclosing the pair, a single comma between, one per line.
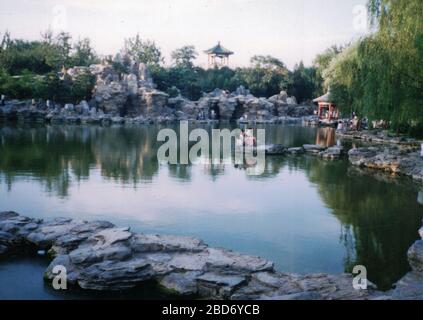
(324,98)
(219,50)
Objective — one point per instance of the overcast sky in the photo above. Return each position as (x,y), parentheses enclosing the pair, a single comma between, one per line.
(291,30)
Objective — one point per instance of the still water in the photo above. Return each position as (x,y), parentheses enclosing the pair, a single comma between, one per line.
(305,214)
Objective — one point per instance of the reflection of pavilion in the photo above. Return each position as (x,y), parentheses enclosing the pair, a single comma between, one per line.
(325,137)
(420,197)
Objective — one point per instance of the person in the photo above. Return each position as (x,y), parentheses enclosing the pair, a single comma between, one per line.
(421,150)
(250,140)
(239,142)
(355,123)
(2,99)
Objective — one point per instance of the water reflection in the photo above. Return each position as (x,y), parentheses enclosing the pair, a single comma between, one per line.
(380,218)
(325,137)
(124,154)
(306,214)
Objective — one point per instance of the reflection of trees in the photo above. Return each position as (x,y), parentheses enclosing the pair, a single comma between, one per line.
(47,153)
(289,136)
(383,216)
(55,155)
(128,154)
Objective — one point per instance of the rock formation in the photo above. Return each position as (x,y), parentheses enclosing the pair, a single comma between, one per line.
(331,153)
(405,161)
(134,98)
(100,256)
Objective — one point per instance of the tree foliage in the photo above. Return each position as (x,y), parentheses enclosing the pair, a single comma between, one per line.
(84,54)
(142,51)
(381,76)
(185,56)
(36,65)
(303,82)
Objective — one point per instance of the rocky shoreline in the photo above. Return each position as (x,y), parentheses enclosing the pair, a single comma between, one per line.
(100,256)
(377,137)
(403,161)
(326,153)
(401,158)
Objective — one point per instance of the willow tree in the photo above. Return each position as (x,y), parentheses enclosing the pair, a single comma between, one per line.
(381,76)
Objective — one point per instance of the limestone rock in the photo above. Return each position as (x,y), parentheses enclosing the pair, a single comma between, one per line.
(275,149)
(410,287)
(296,150)
(99,256)
(271,286)
(241,91)
(399,160)
(110,97)
(313,148)
(415,256)
(104,72)
(332,153)
(62,235)
(152,102)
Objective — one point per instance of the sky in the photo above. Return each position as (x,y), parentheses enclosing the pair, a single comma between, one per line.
(291,30)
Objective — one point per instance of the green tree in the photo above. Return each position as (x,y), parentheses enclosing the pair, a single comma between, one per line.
(84,54)
(267,76)
(142,51)
(303,85)
(82,86)
(64,47)
(184,57)
(321,63)
(381,76)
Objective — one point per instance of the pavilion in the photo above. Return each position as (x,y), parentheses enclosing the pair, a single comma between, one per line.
(218,56)
(326,108)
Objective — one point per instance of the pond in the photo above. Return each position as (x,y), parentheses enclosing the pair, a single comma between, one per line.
(305,214)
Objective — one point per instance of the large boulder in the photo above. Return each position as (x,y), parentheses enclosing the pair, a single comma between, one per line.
(259,109)
(76,71)
(332,153)
(241,91)
(280,98)
(104,72)
(415,256)
(111,97)
(185,109)
(152,101)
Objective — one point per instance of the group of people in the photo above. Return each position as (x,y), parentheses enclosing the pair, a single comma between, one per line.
(355,124)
